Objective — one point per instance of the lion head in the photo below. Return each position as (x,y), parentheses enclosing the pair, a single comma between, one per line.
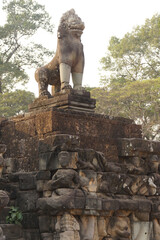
(70,22)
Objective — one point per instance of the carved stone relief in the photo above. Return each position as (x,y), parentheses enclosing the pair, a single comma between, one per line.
(142,230)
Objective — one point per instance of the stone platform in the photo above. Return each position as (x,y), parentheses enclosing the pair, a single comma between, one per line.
(68,99)
(78,175)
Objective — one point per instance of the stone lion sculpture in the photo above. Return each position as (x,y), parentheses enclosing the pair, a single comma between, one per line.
(69,57)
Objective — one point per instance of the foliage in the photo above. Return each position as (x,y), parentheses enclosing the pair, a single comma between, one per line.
(15,216)
(24,19)
(139,100)
(128,65)
(134,57)
(13,103)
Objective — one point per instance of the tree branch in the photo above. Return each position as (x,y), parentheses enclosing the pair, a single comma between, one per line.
(11,54)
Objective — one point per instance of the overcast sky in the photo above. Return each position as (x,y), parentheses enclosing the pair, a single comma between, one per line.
(103,19)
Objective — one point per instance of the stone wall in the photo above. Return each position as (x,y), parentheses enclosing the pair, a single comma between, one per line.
(22,134)
(81,176)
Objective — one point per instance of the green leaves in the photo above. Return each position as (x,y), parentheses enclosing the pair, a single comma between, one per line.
(17,52)
(139,100)
(28,15)
(128,64)
(13,103)
(135,56)
(15,216)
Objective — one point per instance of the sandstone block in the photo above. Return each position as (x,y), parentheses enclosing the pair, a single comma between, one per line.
(27,181)
(65,141)
(40,185)
(11,231)
(30,220)
(142,230)
(31,234)
(43,175)
(110,204)
(93,203)
(26,200)
(44,223)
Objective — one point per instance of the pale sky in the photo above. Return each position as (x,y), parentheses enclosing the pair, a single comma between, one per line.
(103,19)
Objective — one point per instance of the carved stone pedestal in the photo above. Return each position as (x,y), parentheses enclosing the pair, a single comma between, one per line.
(68,99)
(80,175)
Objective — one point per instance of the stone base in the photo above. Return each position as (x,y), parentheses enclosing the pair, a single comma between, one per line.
(12,232)
(77,175)
(68,99)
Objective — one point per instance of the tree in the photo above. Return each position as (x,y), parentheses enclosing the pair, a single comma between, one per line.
(24,18)
(134,57)
(15,103)
(139,100)
(131,83)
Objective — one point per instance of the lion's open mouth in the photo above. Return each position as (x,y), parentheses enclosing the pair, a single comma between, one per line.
(76,27)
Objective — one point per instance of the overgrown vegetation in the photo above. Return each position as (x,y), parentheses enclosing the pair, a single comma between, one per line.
(15,216)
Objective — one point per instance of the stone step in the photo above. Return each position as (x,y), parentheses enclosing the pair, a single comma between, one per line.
(12,231)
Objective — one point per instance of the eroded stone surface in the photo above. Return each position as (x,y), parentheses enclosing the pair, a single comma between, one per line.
(81,176)
(142,230)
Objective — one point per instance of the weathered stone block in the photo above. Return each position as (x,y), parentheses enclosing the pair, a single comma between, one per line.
(141,216)
(30,220)
(31,234)
(43,122)
(142,230)
(40,185)
(78,196)
(45,223)
(26,200)
(3,214)
(56,203)
(43,175)
(13,177)
(144,205)
(65,141)
(11,188)
(11,231)
(26,126)
(93,203)
(111,183)
(79,202)
(128,204)
(27,181)
(110,204)
(135,146)
(70,191)
(48,161)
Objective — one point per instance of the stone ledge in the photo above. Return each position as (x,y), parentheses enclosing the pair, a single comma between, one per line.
(67,99)
(12,231)
(134,146)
